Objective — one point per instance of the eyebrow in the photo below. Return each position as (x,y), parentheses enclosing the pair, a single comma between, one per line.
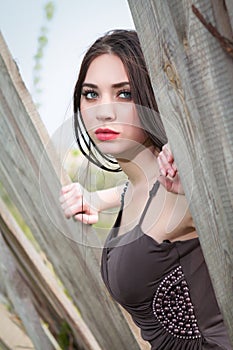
(115,86)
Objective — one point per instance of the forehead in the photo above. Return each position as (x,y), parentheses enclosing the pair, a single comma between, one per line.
(106,67)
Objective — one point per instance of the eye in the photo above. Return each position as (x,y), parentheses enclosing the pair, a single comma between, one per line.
(90,94)
(125,94)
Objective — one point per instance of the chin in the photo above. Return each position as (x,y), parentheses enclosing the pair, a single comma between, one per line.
(120,148)
(112,150)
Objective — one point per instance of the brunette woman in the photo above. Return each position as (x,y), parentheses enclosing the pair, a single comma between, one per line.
(152,262)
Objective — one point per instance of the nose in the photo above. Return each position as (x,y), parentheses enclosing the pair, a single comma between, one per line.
(106,112)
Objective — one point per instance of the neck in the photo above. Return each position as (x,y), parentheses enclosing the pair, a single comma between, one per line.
(143,168)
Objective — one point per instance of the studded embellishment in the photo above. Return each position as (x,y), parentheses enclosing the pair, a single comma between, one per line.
(124,191)
(173,308)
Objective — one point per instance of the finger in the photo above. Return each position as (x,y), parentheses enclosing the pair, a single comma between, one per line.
(67,188)
(174,166)
(62,199)
(170,158)
(74,192)
(71,210)
(71,187)
(65,198)
(168,154)
(170,168)
(167,183)
(171,185)
(162,168)
(163,164)
(87,218)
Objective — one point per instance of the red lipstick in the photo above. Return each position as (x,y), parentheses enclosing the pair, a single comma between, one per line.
(105,134)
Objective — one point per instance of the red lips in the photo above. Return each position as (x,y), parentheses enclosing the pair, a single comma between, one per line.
(105,134)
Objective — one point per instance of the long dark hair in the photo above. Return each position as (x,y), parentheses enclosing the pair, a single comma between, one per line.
(124,44)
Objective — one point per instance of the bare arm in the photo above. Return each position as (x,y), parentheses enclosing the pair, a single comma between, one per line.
(109,198)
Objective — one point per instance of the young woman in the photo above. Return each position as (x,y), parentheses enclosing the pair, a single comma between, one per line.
(152,262)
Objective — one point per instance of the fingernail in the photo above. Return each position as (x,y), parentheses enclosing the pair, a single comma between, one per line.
(170,172)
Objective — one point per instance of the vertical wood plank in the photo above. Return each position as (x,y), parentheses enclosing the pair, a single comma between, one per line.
(191,77)
(229,9)
(20,295)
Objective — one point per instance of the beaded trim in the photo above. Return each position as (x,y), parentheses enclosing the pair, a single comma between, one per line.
(173,308)
(123,193)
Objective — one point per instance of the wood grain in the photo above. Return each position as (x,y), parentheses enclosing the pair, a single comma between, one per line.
(193,85)
(43,289)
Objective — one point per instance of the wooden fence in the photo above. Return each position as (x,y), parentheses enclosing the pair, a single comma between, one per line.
(188,46)
(188,49)
(31,175)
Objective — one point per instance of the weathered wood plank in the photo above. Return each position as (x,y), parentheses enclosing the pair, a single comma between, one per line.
(192,81)
(46,294)
(21,298)
(229,9)
(32,183)
(9,326)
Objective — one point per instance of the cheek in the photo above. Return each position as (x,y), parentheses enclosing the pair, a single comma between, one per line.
(133,126)
(89,118)
(127,114)
(137,134)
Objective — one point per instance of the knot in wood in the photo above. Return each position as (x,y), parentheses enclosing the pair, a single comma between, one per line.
(171,74)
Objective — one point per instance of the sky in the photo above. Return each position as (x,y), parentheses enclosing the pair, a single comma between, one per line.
(76,24)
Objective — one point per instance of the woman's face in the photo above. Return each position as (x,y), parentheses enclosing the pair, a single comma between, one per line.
(109,114)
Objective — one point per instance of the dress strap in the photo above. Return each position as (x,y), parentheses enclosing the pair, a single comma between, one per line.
(152,193)
(123,194)
(115,228)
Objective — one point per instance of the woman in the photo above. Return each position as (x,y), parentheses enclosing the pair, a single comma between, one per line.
(152,262)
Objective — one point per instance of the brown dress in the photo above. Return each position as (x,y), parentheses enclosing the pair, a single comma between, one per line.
(165,287)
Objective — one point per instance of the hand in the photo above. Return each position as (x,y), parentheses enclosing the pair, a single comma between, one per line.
(74,204)
(169,177)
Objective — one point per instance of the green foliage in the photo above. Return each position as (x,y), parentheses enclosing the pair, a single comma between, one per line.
(76,152)
(89,175)
(49,10)
(65,336)
(42,41)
